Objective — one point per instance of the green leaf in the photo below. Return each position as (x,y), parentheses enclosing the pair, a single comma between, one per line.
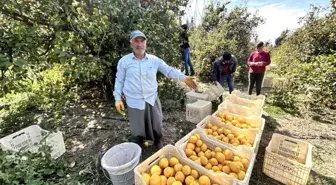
(5,65)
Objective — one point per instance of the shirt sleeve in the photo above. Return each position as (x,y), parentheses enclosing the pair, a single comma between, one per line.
(234,67)
(119,82)
(267,59)
(170,72)
(215,72)
(250,60)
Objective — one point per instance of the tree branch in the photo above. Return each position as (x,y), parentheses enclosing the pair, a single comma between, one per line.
(48,46)
(66,27)
(25,19)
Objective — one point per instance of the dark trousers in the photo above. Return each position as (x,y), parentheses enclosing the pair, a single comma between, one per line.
(255,78)
(227,79)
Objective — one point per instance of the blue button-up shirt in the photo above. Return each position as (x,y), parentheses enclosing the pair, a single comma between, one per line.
(137,79)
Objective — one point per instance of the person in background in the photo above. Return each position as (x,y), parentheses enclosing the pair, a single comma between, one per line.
(257,63)
(186,51)
(224,70)
(136,79)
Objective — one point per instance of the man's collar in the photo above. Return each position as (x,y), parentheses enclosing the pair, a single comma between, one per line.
(134,57)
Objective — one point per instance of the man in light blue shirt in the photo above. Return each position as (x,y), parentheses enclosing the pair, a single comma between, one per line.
(136,79)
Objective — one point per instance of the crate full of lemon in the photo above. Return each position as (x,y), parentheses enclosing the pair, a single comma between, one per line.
(168,167)
(252,122)
(236,164)
(230,135)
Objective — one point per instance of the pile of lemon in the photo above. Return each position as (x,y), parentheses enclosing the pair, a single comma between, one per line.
(216,160)
(236,121)
(172,172)
(228,136)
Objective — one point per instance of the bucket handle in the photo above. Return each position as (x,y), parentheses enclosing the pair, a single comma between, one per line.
(106,176)
(104,172)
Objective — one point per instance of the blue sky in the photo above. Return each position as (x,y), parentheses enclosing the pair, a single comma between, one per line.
(279,15)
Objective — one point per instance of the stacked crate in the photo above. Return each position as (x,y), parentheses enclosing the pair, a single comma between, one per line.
(199,104)
(195,112)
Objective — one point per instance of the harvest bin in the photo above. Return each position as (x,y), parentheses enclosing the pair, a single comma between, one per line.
(288,160)
(182,143)
(171,151)
(29,139)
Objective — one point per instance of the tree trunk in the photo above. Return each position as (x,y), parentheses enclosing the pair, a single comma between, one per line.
(108,83)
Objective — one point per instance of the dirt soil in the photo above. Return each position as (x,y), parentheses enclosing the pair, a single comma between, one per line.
(90,131)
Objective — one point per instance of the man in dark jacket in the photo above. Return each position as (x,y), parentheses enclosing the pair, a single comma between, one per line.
(224,70)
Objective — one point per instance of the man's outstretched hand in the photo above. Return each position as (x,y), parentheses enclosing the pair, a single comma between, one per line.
(191,83)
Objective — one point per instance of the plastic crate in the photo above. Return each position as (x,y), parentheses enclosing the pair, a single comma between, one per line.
(193,96)
(281,156)
(250,134)
(240,109)
(182,143)
(258,103)
(211,95)
(217,89)
(257,120)
(197,111)
(249,97)
(28,139)
(171,151)
(267,82)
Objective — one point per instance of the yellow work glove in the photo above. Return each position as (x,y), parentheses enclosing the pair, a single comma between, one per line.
(191,83)
(120,107)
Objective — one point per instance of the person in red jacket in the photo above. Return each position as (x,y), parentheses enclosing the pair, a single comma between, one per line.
(257,63)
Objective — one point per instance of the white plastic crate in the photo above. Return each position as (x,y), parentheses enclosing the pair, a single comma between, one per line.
(258,103)
(211,95)
(195,112)
(281,160)
(28,139)
(249,97)
(217,89)
(240,109)
(267,82)
(193,96)
(171,151)
(182,143)
(249,133)
(257,120)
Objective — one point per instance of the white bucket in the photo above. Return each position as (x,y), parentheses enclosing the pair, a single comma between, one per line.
(119,161)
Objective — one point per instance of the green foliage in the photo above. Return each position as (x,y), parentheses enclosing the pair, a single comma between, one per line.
(47,91)
(221,30)
(316,37)
(35,34)
(307,59)
(310,84)
(172,95)
(274,110)
(34,169)
(49,50)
